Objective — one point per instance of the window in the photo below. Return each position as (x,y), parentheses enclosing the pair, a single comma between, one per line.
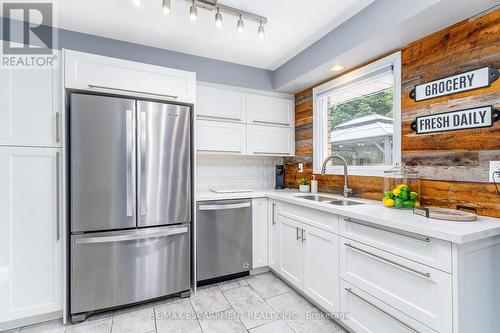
(358,117)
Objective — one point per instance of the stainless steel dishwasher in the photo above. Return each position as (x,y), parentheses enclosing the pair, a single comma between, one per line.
(224,240)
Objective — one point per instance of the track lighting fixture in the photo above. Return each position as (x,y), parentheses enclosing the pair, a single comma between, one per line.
(214,5)
(260,32)
(240,27)
(193,12)
(166,8)
(218,19)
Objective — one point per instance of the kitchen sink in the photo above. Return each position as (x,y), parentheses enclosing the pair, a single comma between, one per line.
(344,202)
(318,198)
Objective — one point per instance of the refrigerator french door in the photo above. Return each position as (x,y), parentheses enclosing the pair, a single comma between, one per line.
(129,201)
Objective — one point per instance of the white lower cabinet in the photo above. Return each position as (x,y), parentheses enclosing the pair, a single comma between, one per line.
(366,314)
(273,251)
(259,233)
(421,292)
(303,248)
(220,137)
(30,238)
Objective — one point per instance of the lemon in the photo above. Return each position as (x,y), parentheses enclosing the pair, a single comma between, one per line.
(388,202)
(417,203)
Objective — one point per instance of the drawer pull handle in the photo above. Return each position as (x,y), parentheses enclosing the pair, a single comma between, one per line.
(427,275)
(274,213)
(298,237)
(401,233)
(349,290)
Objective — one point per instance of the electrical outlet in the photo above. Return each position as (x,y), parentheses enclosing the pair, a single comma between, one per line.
(495,168)
(300,167)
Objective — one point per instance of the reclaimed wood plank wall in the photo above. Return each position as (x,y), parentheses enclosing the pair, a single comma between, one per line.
(454,165)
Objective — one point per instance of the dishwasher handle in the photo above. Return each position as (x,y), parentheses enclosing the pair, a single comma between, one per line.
(224,207)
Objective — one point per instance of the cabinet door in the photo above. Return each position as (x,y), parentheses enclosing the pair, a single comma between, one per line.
(259,233)
(270,140)
(270,110)
(30,243)
(220,103)
(273,236)
(291,250)
(97,73)
(321,277)
(29,107)
(219,137)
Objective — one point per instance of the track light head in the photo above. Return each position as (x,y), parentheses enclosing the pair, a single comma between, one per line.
(218,18)
(240,27)
(166,7)
(193,12)
(260,32)
(137,3)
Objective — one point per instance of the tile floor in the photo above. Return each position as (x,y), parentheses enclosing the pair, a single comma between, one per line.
(255,304)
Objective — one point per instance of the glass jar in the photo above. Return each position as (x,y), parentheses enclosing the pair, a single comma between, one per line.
(401,187)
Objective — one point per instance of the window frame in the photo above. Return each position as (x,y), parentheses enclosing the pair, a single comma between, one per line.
(320,124)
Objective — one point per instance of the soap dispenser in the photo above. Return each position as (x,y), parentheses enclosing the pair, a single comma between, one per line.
(314,185)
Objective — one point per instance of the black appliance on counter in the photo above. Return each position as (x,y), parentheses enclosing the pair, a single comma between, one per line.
(280,177)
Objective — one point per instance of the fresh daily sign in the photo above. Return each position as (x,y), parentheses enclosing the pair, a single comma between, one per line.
(474,79)
(483,116)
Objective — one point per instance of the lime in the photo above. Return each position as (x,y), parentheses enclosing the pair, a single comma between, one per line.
(408,204)
(404,195)
(413,196)
(388,195)
(398,203)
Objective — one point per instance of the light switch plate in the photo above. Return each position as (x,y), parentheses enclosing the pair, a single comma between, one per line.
(495,166)
(300,167)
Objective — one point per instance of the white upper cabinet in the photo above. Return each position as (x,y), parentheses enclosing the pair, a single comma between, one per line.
(270,110)
(220,104)
(29,107)
(220,137)
(30,237)
(92,72)
(270,140)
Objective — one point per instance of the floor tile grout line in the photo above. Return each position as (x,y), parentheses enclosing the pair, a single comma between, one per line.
(234,310)
(197,319)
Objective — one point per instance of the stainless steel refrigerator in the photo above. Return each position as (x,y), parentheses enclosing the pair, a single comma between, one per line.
(130,195)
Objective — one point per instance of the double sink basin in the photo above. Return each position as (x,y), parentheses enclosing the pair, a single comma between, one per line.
(332,201)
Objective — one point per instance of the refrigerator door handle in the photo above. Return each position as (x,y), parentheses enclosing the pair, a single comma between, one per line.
(130,143)
(143,137)
(131,237)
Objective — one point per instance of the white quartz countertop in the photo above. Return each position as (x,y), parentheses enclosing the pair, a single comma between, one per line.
(374,212)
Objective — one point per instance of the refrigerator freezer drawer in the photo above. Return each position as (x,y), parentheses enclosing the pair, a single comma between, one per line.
(110,269)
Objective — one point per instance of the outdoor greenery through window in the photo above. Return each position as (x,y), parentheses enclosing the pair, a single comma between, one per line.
(360,121)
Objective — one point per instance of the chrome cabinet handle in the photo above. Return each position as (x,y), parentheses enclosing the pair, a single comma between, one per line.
(268,153)
(201,116)
(270,122)
(130,237)
(143,130)
(129,148)
(298,237)
(303,235)
(224,207)
(58,127)
(58,195)
(91,86)
(401,233)
(274,213)
(349,290)
(427,275)
(220,151)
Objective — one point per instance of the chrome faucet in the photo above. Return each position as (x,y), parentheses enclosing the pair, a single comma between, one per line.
(347,190)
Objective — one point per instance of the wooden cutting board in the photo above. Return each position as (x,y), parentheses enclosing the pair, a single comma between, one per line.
(445,214)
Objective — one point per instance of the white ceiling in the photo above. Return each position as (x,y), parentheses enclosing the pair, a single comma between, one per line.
(292,26)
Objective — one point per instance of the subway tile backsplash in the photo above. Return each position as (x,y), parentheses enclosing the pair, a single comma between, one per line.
(235,172)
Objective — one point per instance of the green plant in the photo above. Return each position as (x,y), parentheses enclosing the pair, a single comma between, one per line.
(303,181)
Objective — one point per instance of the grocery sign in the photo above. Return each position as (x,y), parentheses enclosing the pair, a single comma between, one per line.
(475,79)
(479,117)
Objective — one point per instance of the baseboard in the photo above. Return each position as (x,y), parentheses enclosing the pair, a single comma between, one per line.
(260,270)
(16,323)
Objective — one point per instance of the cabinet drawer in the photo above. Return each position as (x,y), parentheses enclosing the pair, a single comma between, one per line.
(269,110)
(419,291)
(219,137)
(222,104)
(367,314)
(316,218)
(271,140)
(429,251)
(92,72)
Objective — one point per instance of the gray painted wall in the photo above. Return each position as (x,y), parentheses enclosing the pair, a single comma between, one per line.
(206,69)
